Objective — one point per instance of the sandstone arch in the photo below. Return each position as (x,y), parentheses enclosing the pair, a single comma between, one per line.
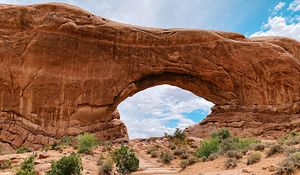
(64,71)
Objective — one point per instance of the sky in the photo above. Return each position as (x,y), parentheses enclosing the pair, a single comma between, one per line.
(161,109)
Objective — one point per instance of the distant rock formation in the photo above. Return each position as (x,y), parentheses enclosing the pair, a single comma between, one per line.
(64,71)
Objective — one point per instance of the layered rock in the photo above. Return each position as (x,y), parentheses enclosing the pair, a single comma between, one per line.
(64,71)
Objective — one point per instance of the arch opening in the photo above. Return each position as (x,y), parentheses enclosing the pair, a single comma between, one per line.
(161,109)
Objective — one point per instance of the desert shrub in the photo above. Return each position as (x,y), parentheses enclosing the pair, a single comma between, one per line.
(211,157)
(153,148)
(182,152)
(190,161)
(66,141)
(179,134)
(154,154)
(254,157)
(245,143)
(100,160)
(230,163)
(184,163)
(208,147)
(55,146)
(293,141)
(172,146)
(258,146)
(106,167)
(221,134)
(291,138)
(289,165)
(193,160)
(67,165)
(86,142)
(291,150)
(178,137)
(235,143)
(193,145)
(234,154)
(166,156)
(275,149)
(125,159)
(27,167)
(5,164)
(23,149)
(185,155)
(107,145)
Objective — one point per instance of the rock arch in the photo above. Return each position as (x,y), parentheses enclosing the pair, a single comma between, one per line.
(64,71)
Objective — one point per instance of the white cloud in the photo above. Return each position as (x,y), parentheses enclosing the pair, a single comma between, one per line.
(278,26)
(150,112)
(294,6)
(279,6)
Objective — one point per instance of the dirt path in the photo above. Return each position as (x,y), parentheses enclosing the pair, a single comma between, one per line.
(151,166)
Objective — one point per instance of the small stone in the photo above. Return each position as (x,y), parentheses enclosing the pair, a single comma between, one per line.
(43,156)
(264,167)
(245,170)
(272,168)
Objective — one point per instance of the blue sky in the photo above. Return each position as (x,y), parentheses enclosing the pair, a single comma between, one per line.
(163,108)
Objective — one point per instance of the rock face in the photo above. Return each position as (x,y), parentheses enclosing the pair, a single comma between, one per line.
(64,71)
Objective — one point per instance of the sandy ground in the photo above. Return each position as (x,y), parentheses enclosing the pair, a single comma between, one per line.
(148,165)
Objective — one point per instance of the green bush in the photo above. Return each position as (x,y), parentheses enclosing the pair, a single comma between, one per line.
(166,156)
(23,149)
(5,164)
(27,167)
(67,165)
(293,138)
(106,167)
(179,136)
(254,157)
(230,163)
(125,159)
(234,154)
(86,143)
(222,134)
(275,149)
(66,141)
(55,146)
(208,147)
(235,143)
(289,165)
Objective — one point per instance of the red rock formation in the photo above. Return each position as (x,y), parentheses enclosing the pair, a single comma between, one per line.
(64,71)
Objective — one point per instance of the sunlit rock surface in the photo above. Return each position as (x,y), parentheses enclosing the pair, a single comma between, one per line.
(64,71)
